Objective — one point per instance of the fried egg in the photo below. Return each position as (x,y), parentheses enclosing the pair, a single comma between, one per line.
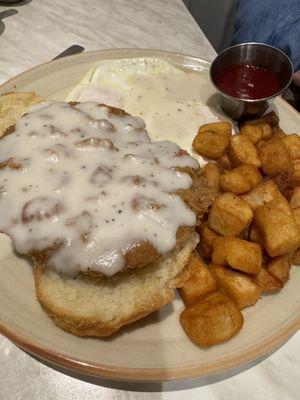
(168,98)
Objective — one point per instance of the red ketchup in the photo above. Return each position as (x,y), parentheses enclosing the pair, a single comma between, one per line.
(247,82)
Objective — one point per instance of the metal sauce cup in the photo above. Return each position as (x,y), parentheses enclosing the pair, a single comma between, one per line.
(260,55)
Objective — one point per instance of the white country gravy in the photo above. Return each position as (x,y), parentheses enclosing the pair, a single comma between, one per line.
(173,102)
(92,181)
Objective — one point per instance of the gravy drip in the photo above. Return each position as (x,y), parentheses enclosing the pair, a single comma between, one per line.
(92,181)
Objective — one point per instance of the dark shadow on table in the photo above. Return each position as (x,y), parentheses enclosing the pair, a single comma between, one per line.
(5,14)
(8,3)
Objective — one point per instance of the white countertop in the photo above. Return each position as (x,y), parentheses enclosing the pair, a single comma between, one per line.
(41,30)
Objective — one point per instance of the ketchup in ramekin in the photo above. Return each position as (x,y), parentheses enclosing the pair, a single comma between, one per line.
(247,82)
(248,76)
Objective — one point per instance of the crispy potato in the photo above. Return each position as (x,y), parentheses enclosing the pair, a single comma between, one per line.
(292,144)
(277,227)
(295,198)
(241,179)
(261,194)
(243,151)
(284,181)
(260,143)
(279,267)
(295,259)
(274,157)
(229,215)
(278,132)
(244,234)
(237,285)
(207,236)
(267,282)
(200,282)
(238,254)
(225,162)
(213,319)
(271,118)
(254,235)
(211,172)
(212,140)
(296,176)
(296,215)
(257,131)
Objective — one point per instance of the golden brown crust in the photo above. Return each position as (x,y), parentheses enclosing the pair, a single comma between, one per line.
(198,197)
(12,106)
(141,253)
(41,256)
(8,131)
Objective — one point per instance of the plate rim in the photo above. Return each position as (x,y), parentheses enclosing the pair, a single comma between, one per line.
(226,363)
(148,52)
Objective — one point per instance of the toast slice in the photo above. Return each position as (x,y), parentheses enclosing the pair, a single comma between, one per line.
(13,105)
(98,307)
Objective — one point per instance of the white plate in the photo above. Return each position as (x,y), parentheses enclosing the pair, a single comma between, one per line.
(155,348)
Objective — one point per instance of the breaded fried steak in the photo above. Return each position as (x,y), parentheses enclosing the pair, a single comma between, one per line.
(87,195)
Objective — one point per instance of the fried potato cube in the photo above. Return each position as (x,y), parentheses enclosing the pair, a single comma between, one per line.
(244,234)
(254,235)
(237,285)
(279,267)
(212,140)
(207,236)
(238,254)
(296,176)
(229,215)
(284,181)
(295,198)
(295,259)
(296,215)
(274,157)
(278,132)
(267,282)
(200,282)
(277,227)
(271,118)
(261,194)
(260,143)
(225,162)
(243,151)
(213,319)
(257,131)
(211,172)
(292,144)
(241,179)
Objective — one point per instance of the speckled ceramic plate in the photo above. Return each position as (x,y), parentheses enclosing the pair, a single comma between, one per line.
(156,347)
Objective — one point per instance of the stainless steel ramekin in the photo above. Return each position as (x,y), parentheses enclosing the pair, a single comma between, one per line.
(258,54)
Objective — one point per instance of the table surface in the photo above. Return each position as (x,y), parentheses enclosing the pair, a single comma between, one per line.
(38,32)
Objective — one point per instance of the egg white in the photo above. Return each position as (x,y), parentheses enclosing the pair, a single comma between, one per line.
(168,98)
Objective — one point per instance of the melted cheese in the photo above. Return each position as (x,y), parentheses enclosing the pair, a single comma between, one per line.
(92,182)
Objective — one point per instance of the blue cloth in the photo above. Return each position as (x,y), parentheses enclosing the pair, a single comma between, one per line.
(274,22)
